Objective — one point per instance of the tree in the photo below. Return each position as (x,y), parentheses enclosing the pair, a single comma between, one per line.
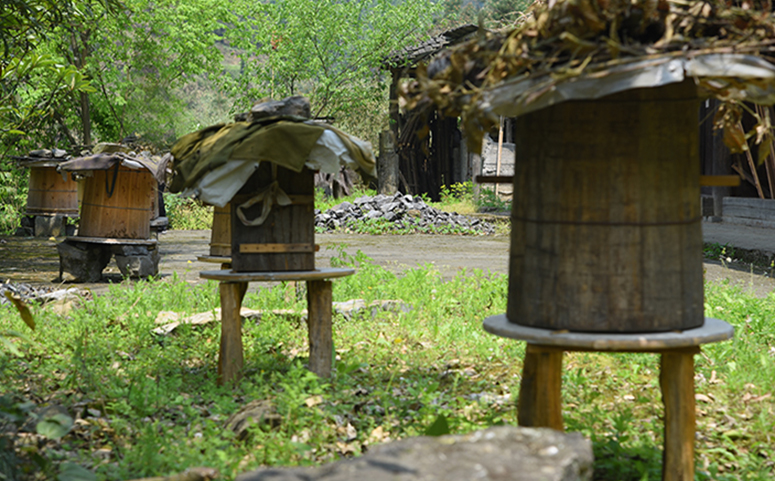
(32,80)
(327,50)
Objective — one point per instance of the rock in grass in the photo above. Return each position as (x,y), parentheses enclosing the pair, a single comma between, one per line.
(261,413)
(504,453)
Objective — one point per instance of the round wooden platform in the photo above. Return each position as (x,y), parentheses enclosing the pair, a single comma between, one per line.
(111,241)
(316,275)
(215,259)
(714,330)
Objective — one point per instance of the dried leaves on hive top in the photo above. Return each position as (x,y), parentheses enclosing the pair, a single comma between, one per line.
(564,39)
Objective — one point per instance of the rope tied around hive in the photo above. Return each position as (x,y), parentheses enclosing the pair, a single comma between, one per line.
(270,196)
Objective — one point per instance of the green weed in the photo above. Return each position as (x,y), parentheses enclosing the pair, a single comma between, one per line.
(148,405)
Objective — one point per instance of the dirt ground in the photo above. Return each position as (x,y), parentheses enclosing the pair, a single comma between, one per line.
(35,260)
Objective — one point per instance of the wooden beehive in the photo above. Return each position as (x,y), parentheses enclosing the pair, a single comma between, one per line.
(118,205)
(50,193)
(220,234)
(286,240)
(606,225)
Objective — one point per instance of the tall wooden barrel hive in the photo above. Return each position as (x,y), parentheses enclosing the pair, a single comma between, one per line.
(50,193)
(286,239)
(606,225)
(220,234)
(118,205)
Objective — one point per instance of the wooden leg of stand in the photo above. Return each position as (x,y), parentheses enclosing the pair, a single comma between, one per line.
(676,378)
(321,344)
(230,356)
(539,393)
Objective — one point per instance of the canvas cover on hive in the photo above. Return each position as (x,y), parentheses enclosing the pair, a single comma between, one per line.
(214,163)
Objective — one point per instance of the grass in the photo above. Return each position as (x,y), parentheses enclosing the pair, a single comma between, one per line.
(145,405)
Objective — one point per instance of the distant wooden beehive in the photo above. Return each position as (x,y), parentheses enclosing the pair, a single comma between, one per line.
(285,241)
(118,203)
(51,193)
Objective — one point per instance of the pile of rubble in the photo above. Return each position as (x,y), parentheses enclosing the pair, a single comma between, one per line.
(37,294)
(403,213)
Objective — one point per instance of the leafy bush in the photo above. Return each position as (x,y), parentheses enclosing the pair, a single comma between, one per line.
(187,214)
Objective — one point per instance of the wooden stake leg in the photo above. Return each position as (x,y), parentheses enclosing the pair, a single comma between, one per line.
(230,357)
(321,344)
(676,378)
(539,393)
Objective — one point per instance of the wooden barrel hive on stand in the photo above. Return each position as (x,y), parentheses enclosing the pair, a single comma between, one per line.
(51,193)
(606,224)
(220,234)
(118,204)
(285,241)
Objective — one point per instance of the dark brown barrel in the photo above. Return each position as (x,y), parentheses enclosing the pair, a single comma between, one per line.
(118,205)
(50,193)
(286,240)
(220,234)
(606,225)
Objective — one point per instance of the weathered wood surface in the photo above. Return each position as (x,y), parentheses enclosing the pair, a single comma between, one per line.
(126,214)
(676,379)
(230,357)
(291,224)
(313,275)
(113,241)
(220,234)
(387,166)
(320,327)
(749,211)
(606,223)
(713,330)
(540,403)
(49,193)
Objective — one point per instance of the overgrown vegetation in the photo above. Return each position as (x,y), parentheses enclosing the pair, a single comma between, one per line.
(148,405)
(187,213)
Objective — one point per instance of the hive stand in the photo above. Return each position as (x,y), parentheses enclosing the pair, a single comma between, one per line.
(540,389)
(233,286)
(86,257)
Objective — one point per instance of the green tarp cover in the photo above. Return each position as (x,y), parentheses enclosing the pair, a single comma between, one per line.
(285,141)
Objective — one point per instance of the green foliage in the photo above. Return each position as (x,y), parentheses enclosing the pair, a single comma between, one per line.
(151,402)
(187,213)
(13,197)
(328,50)
(489,201)
(716,251)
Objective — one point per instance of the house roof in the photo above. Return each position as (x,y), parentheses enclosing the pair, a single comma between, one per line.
(412,55)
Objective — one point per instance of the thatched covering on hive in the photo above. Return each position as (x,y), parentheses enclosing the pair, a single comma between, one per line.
(582,49)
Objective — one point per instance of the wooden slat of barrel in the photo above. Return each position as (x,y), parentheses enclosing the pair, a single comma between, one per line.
(49,193)
(606,232)
(124,215)
(220,234)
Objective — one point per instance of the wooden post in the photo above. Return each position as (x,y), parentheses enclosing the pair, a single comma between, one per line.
(676,379)
(230,357)
(321,344)
(476,168)
(387,166)
(500,153)
(540,402)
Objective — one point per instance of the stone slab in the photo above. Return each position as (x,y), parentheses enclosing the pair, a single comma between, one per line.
(503,453)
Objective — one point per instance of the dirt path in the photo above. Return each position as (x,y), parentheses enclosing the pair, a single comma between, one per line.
(35,261)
